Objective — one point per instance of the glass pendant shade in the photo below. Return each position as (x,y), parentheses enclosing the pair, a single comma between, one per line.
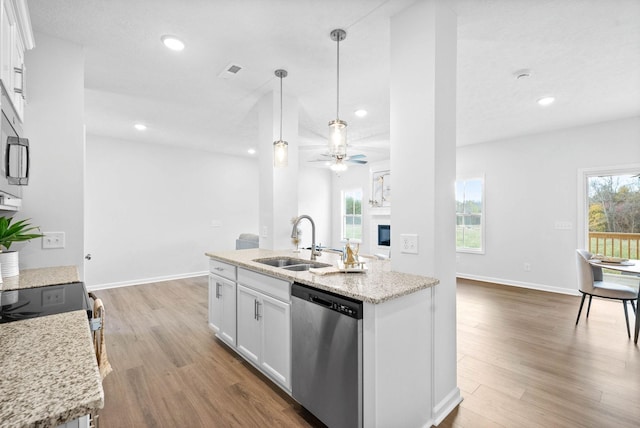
(280,153)
(338,138)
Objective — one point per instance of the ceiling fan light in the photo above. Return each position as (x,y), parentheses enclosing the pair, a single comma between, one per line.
(338,138)
(280,153)
(338,167)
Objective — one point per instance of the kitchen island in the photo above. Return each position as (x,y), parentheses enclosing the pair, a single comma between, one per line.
(397,326)
(48,369)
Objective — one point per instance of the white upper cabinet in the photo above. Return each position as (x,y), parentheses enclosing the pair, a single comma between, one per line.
(16,36)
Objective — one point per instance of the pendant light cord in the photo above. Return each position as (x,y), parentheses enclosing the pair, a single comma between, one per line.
(338,80)
(280,108)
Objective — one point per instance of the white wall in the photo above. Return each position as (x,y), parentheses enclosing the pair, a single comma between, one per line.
(530,183)
(314,199)
(150,209)
(54,124)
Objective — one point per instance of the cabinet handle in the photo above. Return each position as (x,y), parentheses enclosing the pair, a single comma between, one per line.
(219,269)
(218,290)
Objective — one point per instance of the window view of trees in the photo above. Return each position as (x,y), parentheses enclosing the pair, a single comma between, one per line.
(469,215)
(614,204)
(614,215)
(352,214)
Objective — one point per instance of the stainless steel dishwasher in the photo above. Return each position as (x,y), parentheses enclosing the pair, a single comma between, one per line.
(326,374)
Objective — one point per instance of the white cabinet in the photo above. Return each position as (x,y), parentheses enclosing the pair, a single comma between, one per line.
(264,324)
(16,36)
(222,308)
(222,301)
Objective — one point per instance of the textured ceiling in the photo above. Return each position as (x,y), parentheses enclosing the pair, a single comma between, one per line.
(585,52)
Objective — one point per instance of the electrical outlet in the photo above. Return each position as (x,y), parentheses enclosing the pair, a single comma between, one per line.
(53,240)
(527,267)
(52,296)
(409,243)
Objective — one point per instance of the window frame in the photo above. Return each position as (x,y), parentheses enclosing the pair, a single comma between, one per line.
(483,215)
(343,214)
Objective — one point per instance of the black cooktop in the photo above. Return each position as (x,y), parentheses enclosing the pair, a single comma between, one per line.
(16,305)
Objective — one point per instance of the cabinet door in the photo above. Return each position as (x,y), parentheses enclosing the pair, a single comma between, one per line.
(276,340)
(249,330)
(227,290)
(7,25)
(215,304)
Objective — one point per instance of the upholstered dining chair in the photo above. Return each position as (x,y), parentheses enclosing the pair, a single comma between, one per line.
(591,284)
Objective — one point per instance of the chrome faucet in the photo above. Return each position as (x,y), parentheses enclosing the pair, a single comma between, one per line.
(294,234)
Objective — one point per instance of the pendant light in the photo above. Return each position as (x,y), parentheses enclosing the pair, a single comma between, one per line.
(280,147)
(337,127)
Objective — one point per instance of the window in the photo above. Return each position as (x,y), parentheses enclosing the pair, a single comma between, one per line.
(470,215)
(614,214)
(352,215)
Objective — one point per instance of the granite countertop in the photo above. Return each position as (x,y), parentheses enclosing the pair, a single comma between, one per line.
(377,285)
(30,278)
(48,369)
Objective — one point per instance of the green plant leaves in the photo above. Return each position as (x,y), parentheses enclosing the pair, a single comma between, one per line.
(16,232)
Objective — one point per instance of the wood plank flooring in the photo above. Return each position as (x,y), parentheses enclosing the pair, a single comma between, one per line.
(521,363)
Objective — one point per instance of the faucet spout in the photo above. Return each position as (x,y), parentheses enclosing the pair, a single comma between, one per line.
(294,234)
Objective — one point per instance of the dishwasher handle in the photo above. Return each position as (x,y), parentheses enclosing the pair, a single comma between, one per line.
(320,301)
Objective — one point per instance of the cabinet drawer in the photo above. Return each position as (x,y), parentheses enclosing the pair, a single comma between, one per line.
(274,287)
(222,269)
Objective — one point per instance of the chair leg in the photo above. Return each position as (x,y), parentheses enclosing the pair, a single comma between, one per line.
(626,317)
(580,310)
(589,307)
(633,305)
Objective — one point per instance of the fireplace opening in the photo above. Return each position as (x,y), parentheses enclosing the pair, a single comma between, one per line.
(384,235)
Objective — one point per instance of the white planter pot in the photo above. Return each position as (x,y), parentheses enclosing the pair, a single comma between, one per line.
(9,264)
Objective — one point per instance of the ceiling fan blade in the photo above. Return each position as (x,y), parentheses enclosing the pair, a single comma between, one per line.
(358,156)
(361,162)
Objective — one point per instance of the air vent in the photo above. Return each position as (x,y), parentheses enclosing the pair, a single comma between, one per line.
(230,70)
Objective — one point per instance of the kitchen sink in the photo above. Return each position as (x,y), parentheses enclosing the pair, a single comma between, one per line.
(292,264)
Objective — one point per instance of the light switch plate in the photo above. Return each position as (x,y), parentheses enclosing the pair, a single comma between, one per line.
(52,240)
(409,243)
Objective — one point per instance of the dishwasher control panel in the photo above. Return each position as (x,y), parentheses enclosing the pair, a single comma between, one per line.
(341,304)
(345,309)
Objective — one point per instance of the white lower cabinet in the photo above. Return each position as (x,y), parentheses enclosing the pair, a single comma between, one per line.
(222,308)
(82,422)
(264,328)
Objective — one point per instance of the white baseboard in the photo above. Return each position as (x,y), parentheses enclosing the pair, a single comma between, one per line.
(521,284)
(446,406)
(145,281)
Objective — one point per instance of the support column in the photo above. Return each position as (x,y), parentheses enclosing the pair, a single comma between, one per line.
(423,144)
(278,186)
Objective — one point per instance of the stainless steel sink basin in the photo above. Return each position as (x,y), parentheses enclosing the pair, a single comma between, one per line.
(291,264)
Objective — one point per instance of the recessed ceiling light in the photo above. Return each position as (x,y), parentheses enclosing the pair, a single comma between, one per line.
(360,113)
(172,42)
(546,101)
(251,151)
(140,126)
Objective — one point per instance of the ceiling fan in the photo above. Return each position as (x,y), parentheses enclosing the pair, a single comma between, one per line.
(339,163)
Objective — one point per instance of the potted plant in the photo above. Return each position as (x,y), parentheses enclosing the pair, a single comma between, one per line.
(11,232)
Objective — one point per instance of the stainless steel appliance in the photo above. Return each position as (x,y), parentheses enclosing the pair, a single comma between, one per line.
(24,303)
(326,358)
(14,149)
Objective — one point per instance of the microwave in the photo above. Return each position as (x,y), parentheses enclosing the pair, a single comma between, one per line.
(14,150)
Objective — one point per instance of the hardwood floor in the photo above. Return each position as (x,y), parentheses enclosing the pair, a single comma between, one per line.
(521,363)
